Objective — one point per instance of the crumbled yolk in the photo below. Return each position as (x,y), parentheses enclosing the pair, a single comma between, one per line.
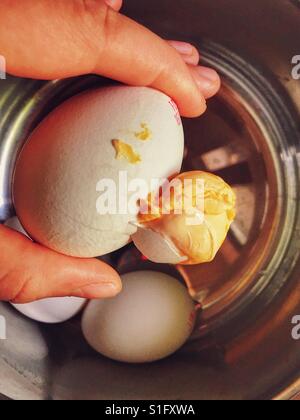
(125,151)
(144,134)
(199,231)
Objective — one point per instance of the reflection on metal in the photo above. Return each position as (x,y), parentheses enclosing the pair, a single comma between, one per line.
(223,157)
(3,335)
(241,228)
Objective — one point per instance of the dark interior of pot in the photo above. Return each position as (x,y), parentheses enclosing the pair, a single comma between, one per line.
(242,346)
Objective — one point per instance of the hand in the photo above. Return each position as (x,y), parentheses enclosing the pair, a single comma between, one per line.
(49,39)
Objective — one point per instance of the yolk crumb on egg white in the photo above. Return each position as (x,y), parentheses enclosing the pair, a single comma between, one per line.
(145,134)
(125,151)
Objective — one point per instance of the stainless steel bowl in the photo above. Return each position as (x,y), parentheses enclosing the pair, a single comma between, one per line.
(242,347)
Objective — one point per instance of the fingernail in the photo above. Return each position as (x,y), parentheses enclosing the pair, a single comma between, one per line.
(190,59)
(208,73)
(112,3)
(97,291)
(205,79)
(182,47)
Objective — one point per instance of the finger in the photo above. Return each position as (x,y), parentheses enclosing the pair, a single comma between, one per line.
(188,52)
(207,80)
(31,272)
(114,4)
(57,39)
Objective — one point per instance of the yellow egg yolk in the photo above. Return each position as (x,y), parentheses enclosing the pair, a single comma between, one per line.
(124,150)
(145,133)
(195,216)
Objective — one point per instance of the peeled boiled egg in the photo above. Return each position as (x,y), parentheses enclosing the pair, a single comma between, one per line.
(150,319)
(191,224)
(109,134)
(50,311)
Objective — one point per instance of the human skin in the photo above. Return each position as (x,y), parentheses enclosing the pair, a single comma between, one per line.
(50,39)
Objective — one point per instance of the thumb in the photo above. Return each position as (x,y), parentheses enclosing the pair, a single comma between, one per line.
(49,39)
(31,272)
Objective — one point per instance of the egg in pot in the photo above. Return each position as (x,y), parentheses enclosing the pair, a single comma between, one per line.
(150,319)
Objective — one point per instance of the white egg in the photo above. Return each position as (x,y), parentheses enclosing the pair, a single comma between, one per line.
(99,135)
(14,223)
(151,318)
(53,310)
(50,311)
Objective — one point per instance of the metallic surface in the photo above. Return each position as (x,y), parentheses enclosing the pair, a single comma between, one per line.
(242,348)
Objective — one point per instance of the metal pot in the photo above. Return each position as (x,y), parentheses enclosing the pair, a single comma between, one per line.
(242,347)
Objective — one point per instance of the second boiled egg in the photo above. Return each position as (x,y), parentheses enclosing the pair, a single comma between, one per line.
(150,319)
